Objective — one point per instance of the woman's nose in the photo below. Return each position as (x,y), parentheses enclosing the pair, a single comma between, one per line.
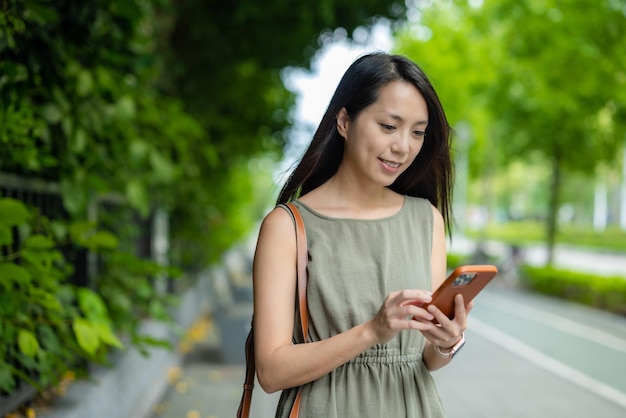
(401,143)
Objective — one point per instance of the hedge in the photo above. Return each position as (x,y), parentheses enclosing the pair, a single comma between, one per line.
(607,293)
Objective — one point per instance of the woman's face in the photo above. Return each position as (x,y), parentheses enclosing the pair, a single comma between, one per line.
(384,139)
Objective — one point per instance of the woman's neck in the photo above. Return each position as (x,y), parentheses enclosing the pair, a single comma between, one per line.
(340,198)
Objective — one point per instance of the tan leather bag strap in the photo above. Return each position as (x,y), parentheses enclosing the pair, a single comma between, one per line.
(301,264)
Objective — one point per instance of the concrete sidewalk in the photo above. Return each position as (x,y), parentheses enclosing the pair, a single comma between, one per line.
(484,381)
(204,386)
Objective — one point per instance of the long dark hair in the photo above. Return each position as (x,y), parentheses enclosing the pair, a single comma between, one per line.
(429,176)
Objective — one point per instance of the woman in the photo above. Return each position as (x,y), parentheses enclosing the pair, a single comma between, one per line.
(368,187)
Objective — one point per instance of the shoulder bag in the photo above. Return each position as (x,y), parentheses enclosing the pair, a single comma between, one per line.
(302,258)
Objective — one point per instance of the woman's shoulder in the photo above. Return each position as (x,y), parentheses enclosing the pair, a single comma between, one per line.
(419,202)
(424,206)
(277,220)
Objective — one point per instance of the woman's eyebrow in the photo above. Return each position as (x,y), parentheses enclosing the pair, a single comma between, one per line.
(401,119)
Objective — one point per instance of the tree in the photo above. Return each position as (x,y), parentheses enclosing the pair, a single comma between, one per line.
(452,52)
(554,82)
(224,60)
(163,103)
(561,72)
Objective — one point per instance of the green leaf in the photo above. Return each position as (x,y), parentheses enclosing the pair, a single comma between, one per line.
(49,338)
(86,335)
(58,229)
(157,310)
(104,239)
(137,196)
(27,342)
(106,335)
(51,113)
(74,196)
(91,304)
(84,83)
(157,342)
(163,168)
(6,236)
(45,298)
(138,150)
(125,108)
(78,142)
(11,272)
(67,124)
(12,212)
(79,230)
(14,72)
(7,381)
(38,242)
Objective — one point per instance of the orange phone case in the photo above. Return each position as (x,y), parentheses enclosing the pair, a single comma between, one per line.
(467,280)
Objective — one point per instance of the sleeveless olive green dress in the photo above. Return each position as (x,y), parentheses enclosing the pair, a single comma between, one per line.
(353,265)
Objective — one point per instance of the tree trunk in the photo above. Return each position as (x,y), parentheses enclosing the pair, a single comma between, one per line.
(553,209)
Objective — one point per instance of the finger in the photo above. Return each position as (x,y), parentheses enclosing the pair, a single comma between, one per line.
(423,325)
(419,314)
(436,334)
(415,297)
(461,311)
(459,308)
(440,317)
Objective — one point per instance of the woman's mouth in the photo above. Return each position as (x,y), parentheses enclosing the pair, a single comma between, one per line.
(390,165)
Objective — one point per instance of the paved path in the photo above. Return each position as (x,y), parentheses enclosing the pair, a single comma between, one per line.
(205,387)
(534,356)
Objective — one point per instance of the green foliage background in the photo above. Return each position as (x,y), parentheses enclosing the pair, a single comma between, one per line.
(143,105)
(539,82)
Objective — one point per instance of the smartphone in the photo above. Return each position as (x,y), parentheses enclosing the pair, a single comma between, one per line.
(467,280)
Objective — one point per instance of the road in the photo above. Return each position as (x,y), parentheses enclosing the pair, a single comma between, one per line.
(534,356)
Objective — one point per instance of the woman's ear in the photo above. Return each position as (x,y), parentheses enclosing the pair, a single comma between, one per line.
(343,122)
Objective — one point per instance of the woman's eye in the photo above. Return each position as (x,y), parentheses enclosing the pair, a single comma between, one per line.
(419,134)
(387,127)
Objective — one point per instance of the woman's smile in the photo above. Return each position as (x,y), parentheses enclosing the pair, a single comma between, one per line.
(390,165)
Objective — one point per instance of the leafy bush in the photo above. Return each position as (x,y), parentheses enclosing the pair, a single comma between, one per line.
(48,325)
(608,293)
(123,98)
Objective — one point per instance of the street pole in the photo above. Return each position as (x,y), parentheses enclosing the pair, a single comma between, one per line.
(600,206)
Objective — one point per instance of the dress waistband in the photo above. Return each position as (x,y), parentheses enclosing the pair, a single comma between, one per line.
(387,356)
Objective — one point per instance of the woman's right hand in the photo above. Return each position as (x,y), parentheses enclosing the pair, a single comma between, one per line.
(401,310)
